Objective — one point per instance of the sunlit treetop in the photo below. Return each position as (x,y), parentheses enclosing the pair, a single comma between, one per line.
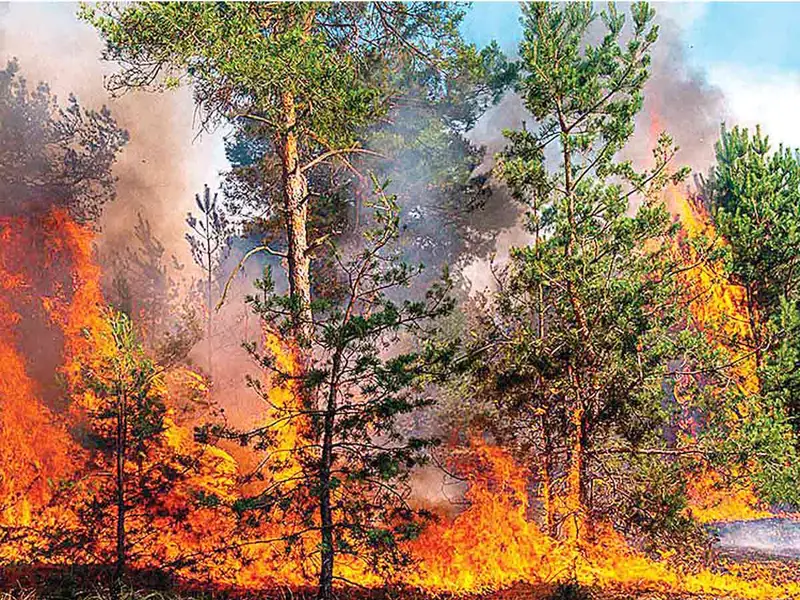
(344,63)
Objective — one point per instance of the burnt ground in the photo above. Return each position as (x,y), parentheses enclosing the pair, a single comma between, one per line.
(81,583)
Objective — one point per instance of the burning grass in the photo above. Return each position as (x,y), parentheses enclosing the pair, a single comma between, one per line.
(491,550)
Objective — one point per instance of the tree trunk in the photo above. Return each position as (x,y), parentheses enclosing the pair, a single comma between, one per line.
(325,512)
(752,318)
(122,433)
(547,479)
(209,273)
(295,206)
(576,516)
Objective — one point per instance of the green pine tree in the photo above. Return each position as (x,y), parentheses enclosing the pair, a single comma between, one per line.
(754,198)
(352,457)
(589,315)
(304,80)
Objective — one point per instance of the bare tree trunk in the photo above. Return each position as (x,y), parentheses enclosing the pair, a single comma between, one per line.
(122,433)
(209,273)
(326,464)
(575,517)
(576,514)
(547,479)
(295,206)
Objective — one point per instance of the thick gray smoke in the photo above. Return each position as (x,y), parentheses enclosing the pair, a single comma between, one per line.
(680,101)
(164,163)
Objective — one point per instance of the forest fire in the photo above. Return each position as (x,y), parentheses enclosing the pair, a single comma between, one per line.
(492,544)
(621,402)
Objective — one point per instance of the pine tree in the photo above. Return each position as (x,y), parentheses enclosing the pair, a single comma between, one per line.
(122,395)
(588,315)
(347,454)
(754,198)
(208,241)
(306,80)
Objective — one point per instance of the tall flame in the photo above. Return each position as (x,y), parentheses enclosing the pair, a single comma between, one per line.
(49,284)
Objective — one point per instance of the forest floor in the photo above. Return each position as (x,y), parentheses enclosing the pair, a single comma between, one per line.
(520,592)
(79,584)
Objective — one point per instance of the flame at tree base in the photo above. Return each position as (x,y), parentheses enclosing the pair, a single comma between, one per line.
(48,277)
(493,545)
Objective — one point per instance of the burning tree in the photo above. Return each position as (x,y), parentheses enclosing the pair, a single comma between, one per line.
(589,315)
(122,396)
(337,463)
(753,194)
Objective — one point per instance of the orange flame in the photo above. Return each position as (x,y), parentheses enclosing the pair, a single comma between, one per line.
(48,276)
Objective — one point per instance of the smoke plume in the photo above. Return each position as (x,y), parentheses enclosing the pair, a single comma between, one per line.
(164,164)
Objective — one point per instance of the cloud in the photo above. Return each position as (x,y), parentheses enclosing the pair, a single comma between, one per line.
(761,96)
(684,14)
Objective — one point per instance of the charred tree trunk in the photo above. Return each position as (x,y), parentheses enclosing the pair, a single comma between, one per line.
(295,206)
(576,517)
(326,465)
(547,478)
(755,334)
(121,435)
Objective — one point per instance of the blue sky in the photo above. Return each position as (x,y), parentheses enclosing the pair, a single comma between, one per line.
(751,34)
(747,33)
(746,49)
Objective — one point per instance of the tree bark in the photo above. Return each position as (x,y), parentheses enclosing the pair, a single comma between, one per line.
(325,510)
(574,526)
(547,479)
(295,206)
(122,433)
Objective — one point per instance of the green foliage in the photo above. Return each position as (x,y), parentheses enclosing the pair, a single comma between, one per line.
(754,196)
(588,319)
(392,78)
(371,363)
(338,60)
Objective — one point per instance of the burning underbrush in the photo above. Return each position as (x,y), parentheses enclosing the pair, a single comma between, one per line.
(53,320)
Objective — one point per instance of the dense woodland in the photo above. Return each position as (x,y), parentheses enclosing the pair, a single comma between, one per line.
(629,365)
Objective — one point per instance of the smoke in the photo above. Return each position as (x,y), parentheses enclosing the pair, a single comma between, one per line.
(678,99)
(681,101)
(773,537)
(164,164)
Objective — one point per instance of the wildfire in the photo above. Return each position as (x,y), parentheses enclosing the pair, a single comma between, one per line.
(49,286)
(494,543)
(719,308)
(36,447)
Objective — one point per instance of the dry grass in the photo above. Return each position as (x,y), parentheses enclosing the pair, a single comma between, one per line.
(97,594)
